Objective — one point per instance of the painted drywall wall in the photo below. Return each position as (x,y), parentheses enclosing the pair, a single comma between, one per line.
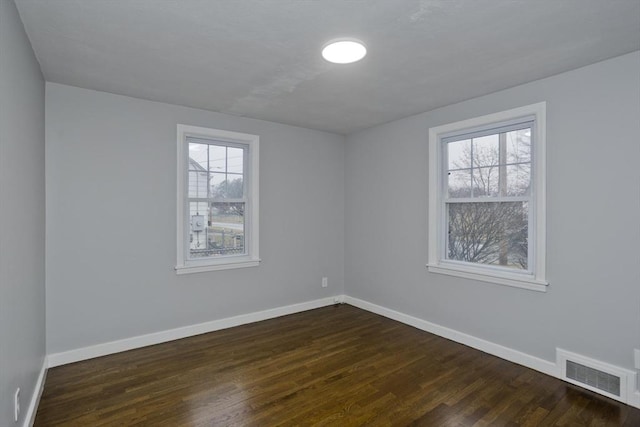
(22,216)
(111,220)
(592,306)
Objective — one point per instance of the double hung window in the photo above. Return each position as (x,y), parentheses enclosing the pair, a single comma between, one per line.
(487,198)
(217,199)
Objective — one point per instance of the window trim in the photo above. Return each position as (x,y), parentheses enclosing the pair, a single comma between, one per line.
(251,258)
(437,263)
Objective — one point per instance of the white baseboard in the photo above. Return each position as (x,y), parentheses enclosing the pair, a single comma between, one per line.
(541,365)
(634,400)
(30,415)
(71,356)
(502,352)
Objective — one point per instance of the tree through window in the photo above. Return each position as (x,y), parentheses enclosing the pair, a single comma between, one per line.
(487,198)
(488,189)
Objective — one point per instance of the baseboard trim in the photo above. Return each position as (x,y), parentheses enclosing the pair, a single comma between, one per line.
(63,358)
(98,350)
(502,352)
(30,415)
(634,400)
(540,365)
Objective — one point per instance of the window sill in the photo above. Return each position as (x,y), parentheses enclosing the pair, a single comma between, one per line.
(526,282)
(202,268)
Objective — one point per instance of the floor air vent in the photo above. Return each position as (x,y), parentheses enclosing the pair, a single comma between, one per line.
(609,380)
(593,377)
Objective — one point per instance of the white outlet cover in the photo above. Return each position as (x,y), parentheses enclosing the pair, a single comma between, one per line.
(636,358)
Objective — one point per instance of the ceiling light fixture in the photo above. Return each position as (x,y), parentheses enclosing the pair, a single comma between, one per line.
(344,51)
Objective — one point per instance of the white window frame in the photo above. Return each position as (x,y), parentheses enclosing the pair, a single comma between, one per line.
(184,265)
(535,278)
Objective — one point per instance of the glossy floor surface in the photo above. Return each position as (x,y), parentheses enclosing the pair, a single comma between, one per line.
(334,366)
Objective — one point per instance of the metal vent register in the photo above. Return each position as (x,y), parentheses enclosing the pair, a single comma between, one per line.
(593,377)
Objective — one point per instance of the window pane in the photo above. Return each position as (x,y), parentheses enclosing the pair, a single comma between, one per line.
(198,214)
(227,229)
(485,181)
(218,185)
(235,159)
(519,146)
(227,186)
(459,183)
(459,154)
(217,158)
(198,184)
(197,156)
(489,233)
(234,186)
(518,180)
(486,151)
(216,229)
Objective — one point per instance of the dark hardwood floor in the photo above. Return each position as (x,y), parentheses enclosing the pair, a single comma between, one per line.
(338,366)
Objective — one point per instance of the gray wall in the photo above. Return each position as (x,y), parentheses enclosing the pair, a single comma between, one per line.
(111,209)
(22,215)
(111,220)
(593,304)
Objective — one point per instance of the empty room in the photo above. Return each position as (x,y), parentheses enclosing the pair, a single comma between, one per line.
(319,212)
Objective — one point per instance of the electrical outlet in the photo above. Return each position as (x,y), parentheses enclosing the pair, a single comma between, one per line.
(636,358)
(325,282)
(16,405)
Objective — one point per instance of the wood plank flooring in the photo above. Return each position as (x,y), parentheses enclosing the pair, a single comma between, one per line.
(334,366)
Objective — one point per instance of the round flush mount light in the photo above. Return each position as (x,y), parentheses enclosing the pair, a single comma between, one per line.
(344,51)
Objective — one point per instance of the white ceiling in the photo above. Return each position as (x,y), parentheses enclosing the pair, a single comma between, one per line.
(261,58)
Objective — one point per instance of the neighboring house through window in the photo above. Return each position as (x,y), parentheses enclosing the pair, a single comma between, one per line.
(217,200)
(487,198)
